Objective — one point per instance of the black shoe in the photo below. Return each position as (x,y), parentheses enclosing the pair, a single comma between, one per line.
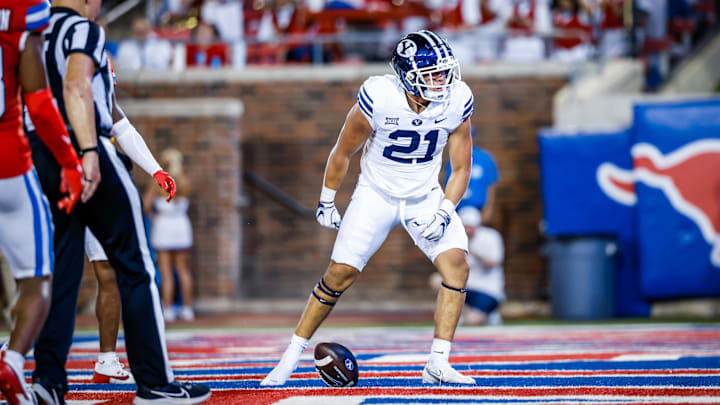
(54,395)
(173,393)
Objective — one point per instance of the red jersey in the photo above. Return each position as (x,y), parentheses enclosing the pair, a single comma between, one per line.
(523,12)
(199,55)
(612,15)
(17,18)
(487,13)
(574,29)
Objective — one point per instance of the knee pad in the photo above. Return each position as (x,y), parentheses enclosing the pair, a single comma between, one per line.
(327,291)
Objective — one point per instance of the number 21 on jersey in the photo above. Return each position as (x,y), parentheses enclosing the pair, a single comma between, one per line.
(402,153)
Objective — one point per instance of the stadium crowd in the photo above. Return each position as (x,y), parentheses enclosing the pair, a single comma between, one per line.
(175,34)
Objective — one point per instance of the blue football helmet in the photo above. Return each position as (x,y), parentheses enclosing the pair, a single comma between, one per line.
(425,65)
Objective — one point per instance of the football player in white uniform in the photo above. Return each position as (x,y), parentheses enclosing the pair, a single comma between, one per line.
(403,122)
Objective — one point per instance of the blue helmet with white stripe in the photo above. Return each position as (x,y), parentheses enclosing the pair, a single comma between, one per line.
(425,65)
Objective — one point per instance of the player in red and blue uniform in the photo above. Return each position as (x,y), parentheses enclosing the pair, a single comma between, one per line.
(26,231)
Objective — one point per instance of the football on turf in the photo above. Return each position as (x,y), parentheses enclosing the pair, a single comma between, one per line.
(336,365)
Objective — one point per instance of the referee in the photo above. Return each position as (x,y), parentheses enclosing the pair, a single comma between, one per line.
(81,82)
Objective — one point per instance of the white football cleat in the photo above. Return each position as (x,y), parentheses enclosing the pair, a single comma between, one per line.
(112,372)
(444,373)
(48,397)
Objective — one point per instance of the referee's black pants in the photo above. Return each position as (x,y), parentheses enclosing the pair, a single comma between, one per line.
(114,215)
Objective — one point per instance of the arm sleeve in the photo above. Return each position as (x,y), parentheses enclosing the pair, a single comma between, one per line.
(134,146)
(50,127)
(88,38)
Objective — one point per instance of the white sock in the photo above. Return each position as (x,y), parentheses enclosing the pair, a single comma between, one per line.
(107,357)
(440,350)
(299,342)
(16,361)
(289,361)
(295,349)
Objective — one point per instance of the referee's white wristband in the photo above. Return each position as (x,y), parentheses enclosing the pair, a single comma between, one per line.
(447,206)
(327,194)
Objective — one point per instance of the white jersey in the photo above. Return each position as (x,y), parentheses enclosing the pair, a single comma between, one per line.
(403,156)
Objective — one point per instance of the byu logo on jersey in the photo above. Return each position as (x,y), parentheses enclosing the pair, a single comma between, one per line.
(406,48)
(417,122)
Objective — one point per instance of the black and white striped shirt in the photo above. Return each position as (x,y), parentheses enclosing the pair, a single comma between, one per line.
(69,33)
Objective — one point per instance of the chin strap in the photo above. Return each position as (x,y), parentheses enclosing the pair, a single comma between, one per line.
(413,100)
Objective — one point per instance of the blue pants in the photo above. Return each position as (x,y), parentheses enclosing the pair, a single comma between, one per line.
(114,215)
(481,301)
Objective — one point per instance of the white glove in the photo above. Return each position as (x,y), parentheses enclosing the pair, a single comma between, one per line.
(435,229)
(327,215)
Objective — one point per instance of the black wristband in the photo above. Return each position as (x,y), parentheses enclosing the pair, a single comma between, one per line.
(86,150)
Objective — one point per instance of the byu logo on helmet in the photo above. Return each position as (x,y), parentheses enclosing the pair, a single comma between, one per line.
(406,48)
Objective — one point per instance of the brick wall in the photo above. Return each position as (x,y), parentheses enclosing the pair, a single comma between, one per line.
(207,132)
(288,128)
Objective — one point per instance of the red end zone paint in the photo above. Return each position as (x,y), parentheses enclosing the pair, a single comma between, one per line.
(269,396)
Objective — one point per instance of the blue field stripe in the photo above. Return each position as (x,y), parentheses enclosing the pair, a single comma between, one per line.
(476,368)
(37,227)
(478,400)
(700,381)
(679,364)
(511,382)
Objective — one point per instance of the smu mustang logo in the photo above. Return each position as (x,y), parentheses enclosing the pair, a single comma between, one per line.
(689,177)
